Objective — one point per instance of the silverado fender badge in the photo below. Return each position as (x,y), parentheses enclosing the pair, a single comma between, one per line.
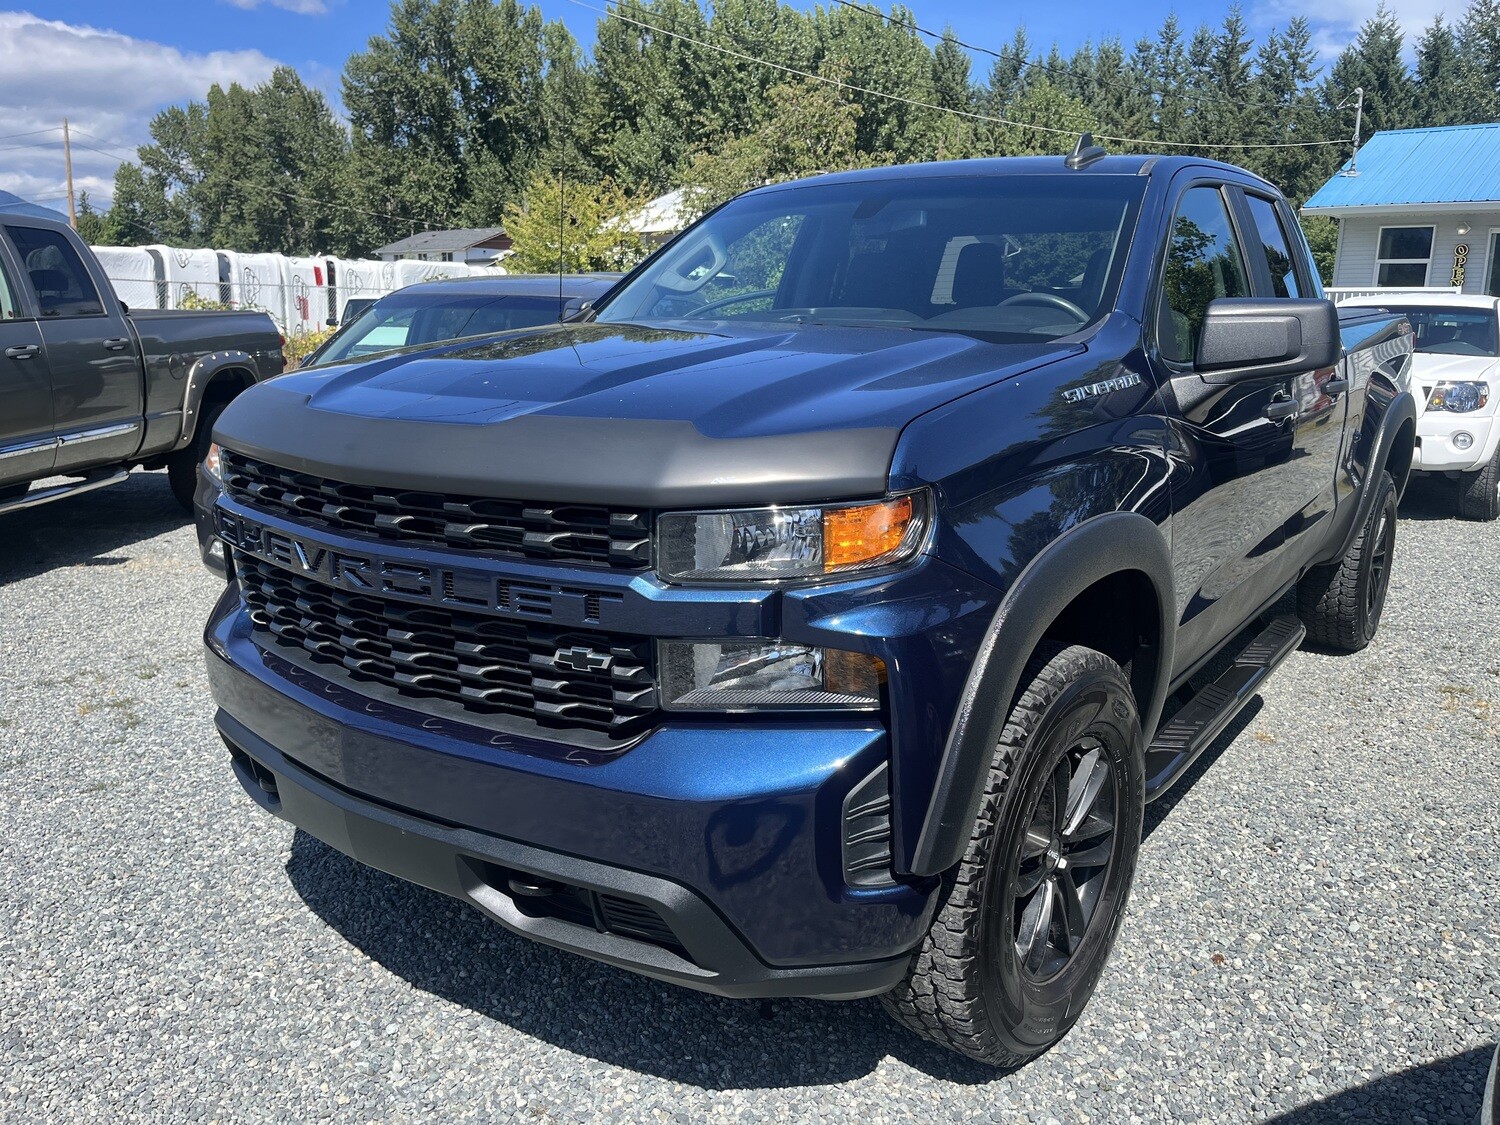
(1103,387)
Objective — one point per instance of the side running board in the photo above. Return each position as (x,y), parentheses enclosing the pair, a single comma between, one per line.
(98,479)
(1193,729)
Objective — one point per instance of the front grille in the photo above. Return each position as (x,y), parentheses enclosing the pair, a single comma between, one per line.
(485,669)
(574,533)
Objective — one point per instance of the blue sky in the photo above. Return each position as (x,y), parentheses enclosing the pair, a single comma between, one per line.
(109,65)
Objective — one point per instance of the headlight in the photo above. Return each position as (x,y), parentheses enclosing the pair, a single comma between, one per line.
(765,674)
(759,544)
(1459,397)
(211,468)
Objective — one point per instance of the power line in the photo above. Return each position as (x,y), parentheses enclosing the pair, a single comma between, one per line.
(33,133)
(992,119)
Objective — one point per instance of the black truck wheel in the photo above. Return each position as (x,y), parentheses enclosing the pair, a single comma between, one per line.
(1341,603)
(1031,912)
(1479,493)
(182,466)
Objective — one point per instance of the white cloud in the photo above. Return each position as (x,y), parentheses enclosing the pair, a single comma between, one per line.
(108,85)
(1336,23)
(301,7)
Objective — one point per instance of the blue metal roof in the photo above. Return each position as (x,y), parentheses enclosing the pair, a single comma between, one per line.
(1450,164)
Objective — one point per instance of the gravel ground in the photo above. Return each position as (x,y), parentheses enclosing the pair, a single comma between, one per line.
(1313,934)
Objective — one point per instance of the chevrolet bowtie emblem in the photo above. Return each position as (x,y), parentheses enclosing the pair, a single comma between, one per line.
(581,659)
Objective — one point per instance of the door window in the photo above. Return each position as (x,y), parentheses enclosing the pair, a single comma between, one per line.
(1273,242)
(10,307)
(1204,262)
(63,286)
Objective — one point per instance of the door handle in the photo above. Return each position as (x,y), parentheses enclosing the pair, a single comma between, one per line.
(1281,409)
(1335,387)
(118,344)
(22,351)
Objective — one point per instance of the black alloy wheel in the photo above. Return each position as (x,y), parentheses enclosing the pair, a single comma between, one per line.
(1063,860)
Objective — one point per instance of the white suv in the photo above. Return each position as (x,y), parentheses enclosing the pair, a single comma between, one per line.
(1455,377)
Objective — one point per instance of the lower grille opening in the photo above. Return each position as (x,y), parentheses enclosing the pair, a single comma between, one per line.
(537,897)
(867,831)
(253,773)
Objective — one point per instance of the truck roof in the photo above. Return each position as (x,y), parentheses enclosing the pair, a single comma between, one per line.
(1123,165)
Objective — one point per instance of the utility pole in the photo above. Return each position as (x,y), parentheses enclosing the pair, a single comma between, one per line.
(68,164)
(1359,120)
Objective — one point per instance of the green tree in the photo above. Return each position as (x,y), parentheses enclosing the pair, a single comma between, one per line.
(1440,78)
(90,225)
(559,225)
(251,169)
(811,127)
(1323,240)
(1043,120)
(1373,63)
(1479,53)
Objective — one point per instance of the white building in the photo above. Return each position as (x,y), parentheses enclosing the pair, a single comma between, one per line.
(1417,209)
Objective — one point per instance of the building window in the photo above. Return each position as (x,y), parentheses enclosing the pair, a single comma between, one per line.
(1404,255)
(447,257)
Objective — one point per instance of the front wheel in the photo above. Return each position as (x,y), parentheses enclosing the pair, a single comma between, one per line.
(1479,498)
(1030,913)
(1341,603)
(182,466)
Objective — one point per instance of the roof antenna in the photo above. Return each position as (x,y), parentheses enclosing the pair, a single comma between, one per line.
(562,199)
(1085,152)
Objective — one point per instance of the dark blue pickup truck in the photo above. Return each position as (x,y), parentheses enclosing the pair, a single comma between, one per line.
(802,619)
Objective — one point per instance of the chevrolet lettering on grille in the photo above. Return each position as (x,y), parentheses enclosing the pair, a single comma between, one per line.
(365,571)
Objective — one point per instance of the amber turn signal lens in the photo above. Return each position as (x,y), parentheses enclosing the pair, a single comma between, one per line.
(858,536)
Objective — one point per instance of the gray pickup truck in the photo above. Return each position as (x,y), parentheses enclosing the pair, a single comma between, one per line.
(89,389)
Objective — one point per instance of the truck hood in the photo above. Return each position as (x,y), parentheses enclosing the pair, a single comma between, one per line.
(626,414)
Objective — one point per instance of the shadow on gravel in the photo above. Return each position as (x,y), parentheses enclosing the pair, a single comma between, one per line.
(1430,498)
(1445,1092)
(87,530)
(450,950)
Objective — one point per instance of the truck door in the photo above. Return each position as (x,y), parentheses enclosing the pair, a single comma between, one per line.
(27,445)
(90,350)
(1321,396)
(1249,477)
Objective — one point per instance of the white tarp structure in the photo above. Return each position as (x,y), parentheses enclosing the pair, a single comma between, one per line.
(255,282)
(189,271)
(301,293)
(306,295)
(133,272)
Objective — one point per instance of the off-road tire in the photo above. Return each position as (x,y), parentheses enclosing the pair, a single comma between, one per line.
(182,466)
(1479,493)
(966,989)
(1341,603)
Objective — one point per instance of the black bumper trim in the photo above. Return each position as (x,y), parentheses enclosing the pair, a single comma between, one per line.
(451,860)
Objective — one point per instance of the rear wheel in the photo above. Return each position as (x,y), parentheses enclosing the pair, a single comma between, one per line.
(1479,495)
(1031,911)
(182,466)
(1341,603)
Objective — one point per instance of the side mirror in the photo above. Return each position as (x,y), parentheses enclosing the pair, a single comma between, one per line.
(1256,338)
(331,322)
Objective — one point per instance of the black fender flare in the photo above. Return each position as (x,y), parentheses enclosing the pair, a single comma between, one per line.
(200,375)
(1098,547)
(1402,409)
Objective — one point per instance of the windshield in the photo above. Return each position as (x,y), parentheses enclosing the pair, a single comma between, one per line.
(1450,331)
(1013,258)
(404,320)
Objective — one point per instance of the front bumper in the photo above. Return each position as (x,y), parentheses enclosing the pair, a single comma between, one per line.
(1436,451)
(704,952)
